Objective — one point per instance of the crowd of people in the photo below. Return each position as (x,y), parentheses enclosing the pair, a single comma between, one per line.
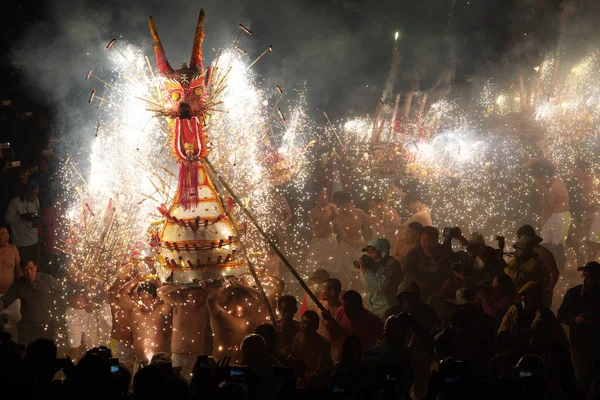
(412,313)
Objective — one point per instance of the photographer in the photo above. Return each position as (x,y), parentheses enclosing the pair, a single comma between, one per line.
(382,274)
(580,310)
(23,216)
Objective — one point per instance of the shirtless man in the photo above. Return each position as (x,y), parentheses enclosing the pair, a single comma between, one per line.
(556,218)
(349,229)
(420,211)
(410,240)
(287,326)
(9,272)
(385,221)
(241,313)
(310,347)
(330,298)
(77,315)
(148,318)
(190,320)
(590,187)
(323,247)
(121,338)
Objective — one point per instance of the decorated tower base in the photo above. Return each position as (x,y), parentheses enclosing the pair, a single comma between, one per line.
(197,241)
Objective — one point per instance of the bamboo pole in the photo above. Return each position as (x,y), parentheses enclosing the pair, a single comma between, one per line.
(265,236)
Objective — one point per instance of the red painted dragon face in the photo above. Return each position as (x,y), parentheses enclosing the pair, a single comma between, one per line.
(185,96)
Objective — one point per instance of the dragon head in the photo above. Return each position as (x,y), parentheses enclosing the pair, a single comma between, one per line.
(184,93)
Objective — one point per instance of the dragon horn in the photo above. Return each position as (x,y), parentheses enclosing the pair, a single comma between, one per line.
(161,58)
(196,60)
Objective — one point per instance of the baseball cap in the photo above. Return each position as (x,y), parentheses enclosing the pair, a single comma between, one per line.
(463,296)
(320,275)
(591,266)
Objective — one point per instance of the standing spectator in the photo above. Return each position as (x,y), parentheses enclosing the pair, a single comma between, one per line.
(409,301)
(525,317)
(580,310)
(497,298)
(525,266)
(330,298)
(316,280)
(310,347)
(382,274)
(410,240)
(428,265)
(353,319)
(547,259)
(391,356)
(23,215)
(288,326)
(51,224)
(10,271)
(40,303)
(471,337)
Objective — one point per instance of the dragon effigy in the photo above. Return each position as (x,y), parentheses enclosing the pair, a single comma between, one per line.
(197,241)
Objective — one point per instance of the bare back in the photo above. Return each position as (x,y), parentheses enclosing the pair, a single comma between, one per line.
(9,266)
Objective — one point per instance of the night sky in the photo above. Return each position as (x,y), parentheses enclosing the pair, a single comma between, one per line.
(340,49)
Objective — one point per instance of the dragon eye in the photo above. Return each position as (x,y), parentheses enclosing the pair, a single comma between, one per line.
(175,96)
(198,91)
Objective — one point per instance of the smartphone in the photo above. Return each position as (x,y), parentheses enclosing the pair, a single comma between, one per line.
(114,365)
(4,145)
(525,374)
(236,371)
(451,379)
(202,361)
(15,164)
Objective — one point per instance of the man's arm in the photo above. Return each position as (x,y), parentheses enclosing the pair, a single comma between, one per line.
(549,264)
(567,312)
(214,309)
(18,270)
(171,294)
(124,296)
(9,297)
(12,214)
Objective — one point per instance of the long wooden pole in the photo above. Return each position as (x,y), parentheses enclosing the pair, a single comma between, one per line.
(265,236)
(245,253)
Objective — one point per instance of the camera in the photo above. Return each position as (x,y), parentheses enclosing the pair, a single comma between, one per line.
(365,261)
(453,232)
